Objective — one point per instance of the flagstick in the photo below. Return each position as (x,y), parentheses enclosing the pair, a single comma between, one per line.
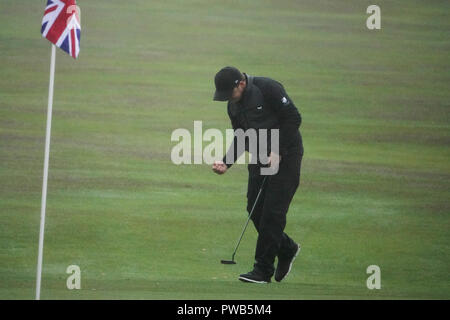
(44,183)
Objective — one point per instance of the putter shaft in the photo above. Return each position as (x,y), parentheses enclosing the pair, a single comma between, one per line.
(248,219)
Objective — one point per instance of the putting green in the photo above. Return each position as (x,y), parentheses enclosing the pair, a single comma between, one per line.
(375,176)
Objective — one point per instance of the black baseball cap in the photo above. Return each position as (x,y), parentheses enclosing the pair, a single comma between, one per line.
(226,80)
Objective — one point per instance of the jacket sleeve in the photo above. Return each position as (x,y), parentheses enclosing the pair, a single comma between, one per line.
(232,150)
(286,111)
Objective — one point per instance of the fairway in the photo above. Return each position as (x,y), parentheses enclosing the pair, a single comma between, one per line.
(375,181)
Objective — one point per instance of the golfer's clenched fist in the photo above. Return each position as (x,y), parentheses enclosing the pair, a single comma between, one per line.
(219,167)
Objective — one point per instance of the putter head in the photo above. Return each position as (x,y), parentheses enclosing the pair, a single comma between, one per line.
(227,261)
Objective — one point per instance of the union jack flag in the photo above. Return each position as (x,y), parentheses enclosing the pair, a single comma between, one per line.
(61,25)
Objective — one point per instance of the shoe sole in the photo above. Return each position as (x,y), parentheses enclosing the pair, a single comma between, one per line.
(244,279)
(290,265)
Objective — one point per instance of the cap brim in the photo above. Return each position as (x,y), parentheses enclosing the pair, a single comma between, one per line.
(222,95)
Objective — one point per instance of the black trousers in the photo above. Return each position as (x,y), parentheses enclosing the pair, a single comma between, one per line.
(269,215)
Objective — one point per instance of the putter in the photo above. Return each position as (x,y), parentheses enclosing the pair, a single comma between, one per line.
(245,227)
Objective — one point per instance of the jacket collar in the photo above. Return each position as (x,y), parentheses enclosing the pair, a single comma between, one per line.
(248,88)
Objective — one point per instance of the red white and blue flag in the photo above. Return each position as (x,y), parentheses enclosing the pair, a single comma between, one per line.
(61,25)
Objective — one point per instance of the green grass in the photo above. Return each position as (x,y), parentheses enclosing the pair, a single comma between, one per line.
(375,177)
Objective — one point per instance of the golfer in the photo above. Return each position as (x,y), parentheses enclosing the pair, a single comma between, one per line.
(262,103)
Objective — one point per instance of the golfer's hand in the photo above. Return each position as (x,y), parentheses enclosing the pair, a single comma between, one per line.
(274,160)
(219,167)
